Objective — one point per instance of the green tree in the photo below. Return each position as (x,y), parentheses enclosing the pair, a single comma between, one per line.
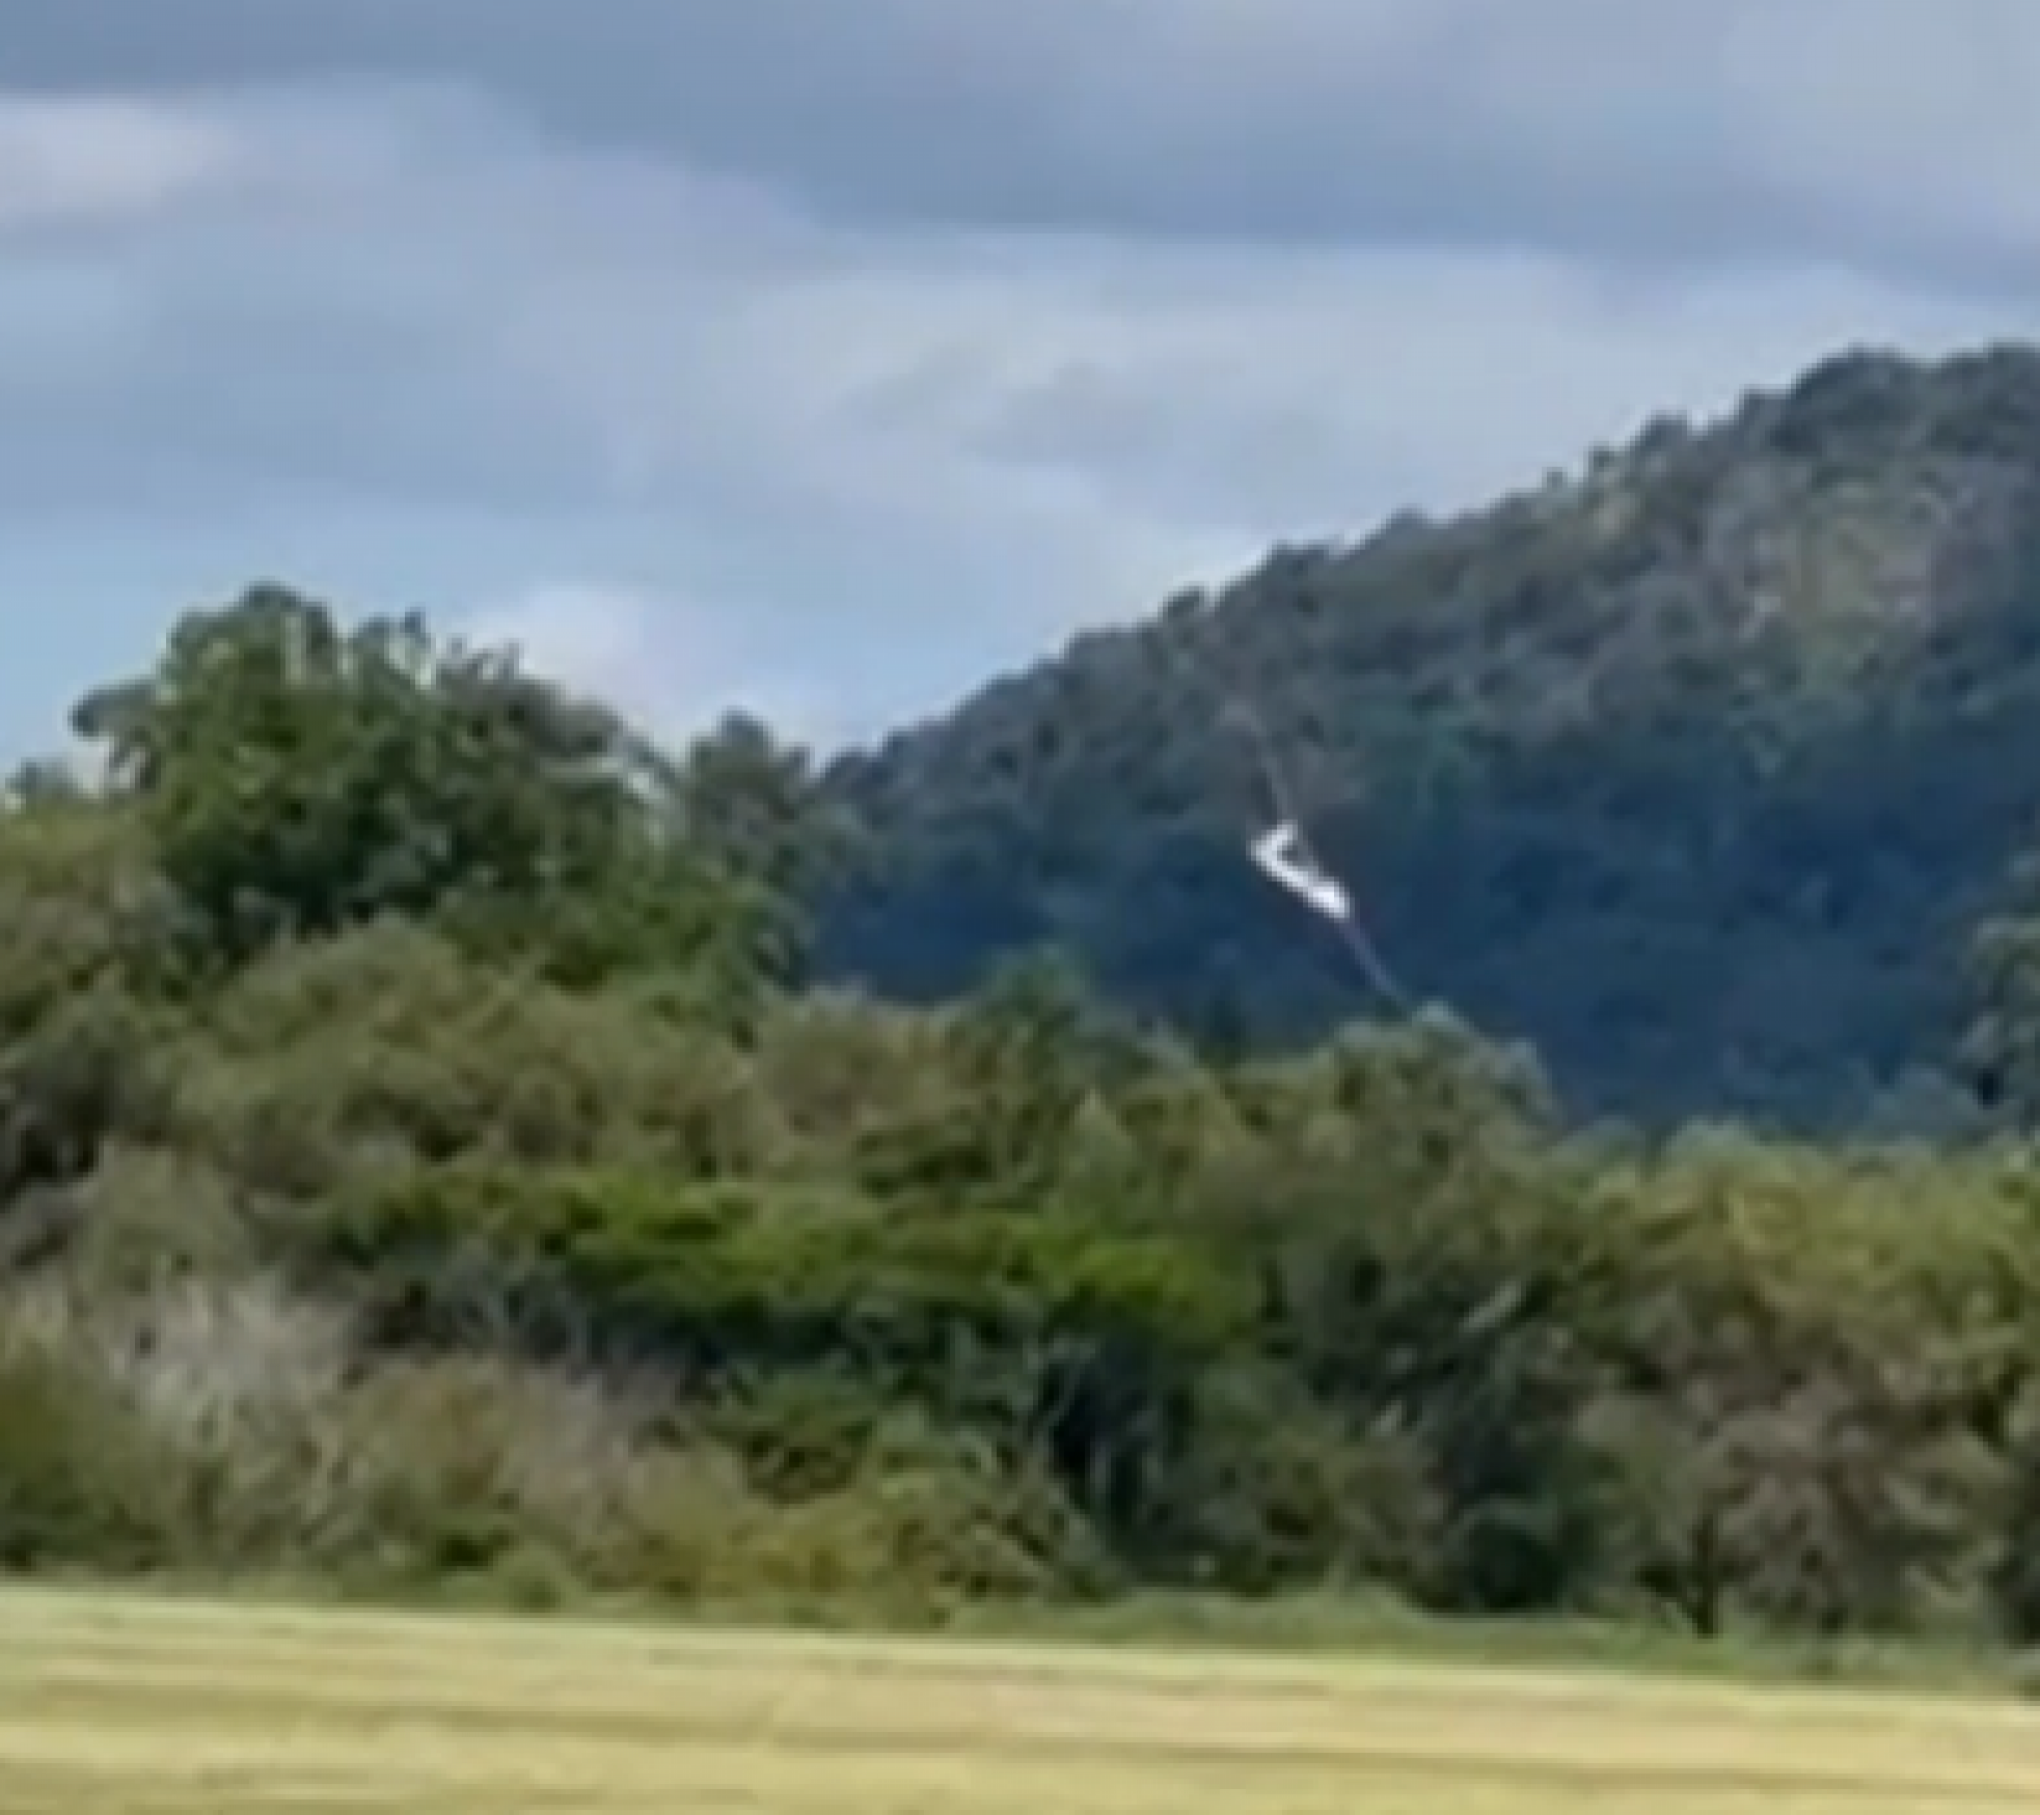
(297,777)
(2000,1049)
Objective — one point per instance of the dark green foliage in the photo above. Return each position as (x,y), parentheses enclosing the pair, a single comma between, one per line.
(1692,769)
(425,1158)
(296,778)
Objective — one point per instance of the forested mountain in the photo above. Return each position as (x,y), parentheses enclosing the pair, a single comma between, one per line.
(1691,767)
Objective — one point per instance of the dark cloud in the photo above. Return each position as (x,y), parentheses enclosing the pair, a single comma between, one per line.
(1880,131)
(722,303)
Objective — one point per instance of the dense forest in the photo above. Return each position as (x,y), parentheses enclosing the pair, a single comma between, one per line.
(428,1156)
(1690,767)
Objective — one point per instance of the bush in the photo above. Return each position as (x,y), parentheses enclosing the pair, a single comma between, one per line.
(78,1475)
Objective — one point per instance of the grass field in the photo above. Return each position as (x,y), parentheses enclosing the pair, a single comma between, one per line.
(120,1707)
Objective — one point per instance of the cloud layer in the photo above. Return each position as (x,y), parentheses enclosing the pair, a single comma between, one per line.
(828,356)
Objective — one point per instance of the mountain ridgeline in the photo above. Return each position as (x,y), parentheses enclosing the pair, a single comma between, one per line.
(1694,768)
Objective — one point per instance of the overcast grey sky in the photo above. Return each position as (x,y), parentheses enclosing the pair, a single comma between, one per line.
(827,354)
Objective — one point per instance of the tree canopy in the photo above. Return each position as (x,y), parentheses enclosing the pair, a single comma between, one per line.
(436,1143)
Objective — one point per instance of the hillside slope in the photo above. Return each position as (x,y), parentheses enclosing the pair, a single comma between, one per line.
(1692,767)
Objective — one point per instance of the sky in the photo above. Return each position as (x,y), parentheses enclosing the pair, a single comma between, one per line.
(824,357)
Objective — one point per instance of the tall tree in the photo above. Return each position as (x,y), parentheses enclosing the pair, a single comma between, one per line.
(748,805)
(2000,1048)
(298,776)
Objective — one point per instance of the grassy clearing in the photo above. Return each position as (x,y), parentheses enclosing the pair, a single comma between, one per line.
(178,1708)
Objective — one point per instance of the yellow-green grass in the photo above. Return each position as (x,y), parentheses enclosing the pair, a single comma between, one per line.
(115,1706)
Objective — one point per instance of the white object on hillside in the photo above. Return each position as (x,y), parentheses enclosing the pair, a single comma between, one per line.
(1281,855)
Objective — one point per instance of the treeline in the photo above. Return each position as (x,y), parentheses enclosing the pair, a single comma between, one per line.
(423,1158)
